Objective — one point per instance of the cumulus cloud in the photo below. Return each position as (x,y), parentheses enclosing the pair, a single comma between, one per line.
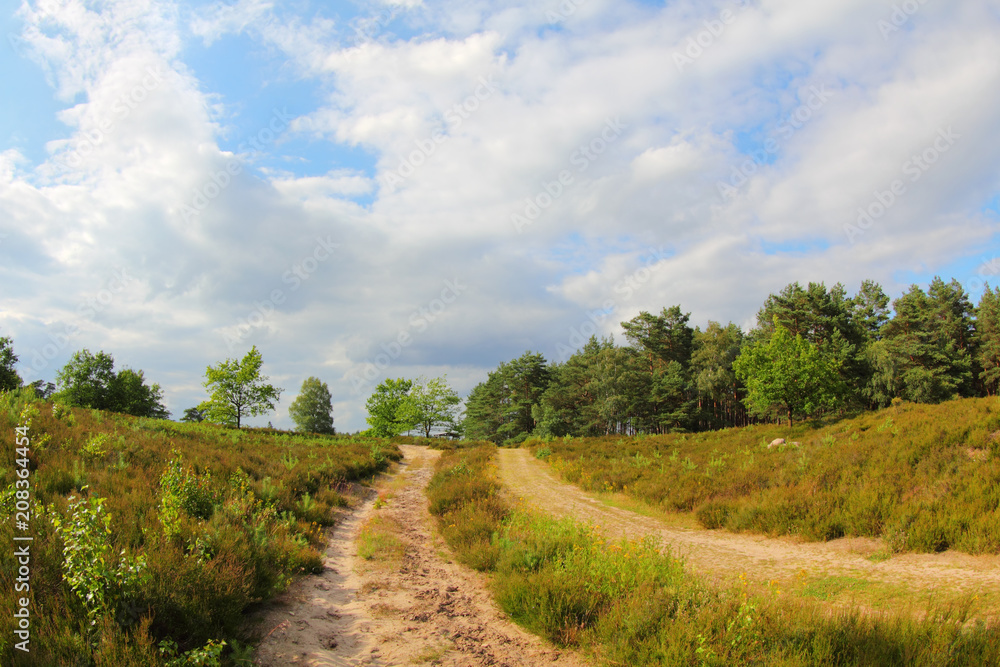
(557,164)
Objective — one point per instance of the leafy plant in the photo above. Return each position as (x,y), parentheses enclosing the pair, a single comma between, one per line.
(101,585)
(183,491)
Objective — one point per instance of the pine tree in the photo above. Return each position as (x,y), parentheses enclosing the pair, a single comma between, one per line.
(988,329)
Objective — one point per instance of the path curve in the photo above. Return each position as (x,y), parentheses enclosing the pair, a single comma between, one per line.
(722,556)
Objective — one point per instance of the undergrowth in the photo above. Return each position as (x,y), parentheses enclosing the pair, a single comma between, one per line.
(630,603)
(926,478)
(152,538)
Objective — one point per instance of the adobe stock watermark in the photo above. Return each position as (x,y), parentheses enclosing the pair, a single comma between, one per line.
(220,180)
(294,277)
(19,45)
(366,29)
(565,9)
(87,142)
(425,148)
(988,269)
(581,158)
(625,289)
(914,168)
(87,309)
(900,16)
(420,320)
(795,121)
(699,43)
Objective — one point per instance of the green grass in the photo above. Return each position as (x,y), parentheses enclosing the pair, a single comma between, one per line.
(830,587)
(150,530)
(925,478)
(628,603)
(378,540)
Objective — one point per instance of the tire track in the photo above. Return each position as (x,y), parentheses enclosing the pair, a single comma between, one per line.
(721,556)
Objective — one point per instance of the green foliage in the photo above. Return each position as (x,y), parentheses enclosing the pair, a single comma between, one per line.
(927,351)
(391,409)
(790,373)
(9,379)
(436,405)
(503,409)
(89,567)
(193,415)
(209,655)
(988,331)
(312,410)
(183,491)
(237,390)
(90,381)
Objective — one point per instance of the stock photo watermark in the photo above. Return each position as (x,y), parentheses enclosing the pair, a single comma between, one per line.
(701,42)
(624,288)
(420,321)
(426,147)
(218,181)
(87,309)
(900,16)
(914,168)
(795,121)
(22,540)
(294,277)
(990,268)
(565,10)
(368,28)
(88,141)
(581,158)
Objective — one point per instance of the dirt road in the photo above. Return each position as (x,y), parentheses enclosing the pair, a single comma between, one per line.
(420,608)
(843,571)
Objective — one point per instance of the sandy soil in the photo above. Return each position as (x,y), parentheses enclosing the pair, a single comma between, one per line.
(839,569)
(423,609)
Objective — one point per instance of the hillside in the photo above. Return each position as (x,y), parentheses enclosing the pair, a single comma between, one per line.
(145,531)
(923,477)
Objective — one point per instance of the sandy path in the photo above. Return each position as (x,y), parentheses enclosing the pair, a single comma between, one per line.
(424,609)
(722,556)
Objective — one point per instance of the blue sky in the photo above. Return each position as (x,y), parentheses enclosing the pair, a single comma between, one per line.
(180,181)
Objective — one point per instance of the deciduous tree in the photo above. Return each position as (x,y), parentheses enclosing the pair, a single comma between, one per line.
(237,390)
(90,381)
(193,415)
(312,409)
(9,379)
(788,373)
(391,410)
(436,405)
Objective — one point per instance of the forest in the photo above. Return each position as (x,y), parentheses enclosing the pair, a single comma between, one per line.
(815,352)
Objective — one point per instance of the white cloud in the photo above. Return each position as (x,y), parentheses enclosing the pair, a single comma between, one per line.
(477,114)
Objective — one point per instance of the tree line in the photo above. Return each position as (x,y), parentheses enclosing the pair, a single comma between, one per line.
(236,387)
(814,351)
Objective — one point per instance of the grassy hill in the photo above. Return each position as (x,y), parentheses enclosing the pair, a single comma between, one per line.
(923,477)
(147,531)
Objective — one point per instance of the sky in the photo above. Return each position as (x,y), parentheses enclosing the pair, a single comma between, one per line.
(413,188)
